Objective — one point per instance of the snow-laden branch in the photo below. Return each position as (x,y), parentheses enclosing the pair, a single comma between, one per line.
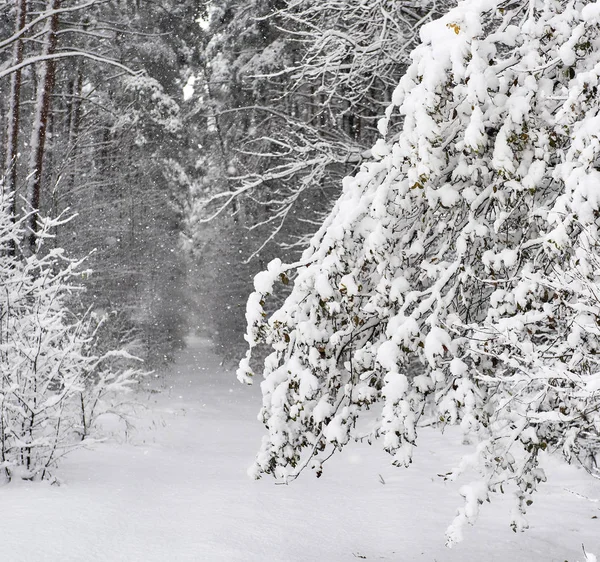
(47,15)
(64,55)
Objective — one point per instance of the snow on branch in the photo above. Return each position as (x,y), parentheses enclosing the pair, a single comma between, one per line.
(63,55)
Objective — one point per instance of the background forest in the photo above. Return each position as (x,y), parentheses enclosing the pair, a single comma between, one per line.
(190,143)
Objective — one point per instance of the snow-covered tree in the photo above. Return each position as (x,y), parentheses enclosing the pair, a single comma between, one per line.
(52,383)
(457,279)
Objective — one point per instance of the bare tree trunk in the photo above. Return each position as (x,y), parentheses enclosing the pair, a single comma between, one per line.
(14,108)
(40,123)
(74,90)
(75,108)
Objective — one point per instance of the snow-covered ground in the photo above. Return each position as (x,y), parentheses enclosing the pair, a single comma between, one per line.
(177,490)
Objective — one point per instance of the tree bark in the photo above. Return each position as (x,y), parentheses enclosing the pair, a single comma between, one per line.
(40,123)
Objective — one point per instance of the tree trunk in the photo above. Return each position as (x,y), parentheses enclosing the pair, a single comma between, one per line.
(75,109)
(14,106)
(40,123)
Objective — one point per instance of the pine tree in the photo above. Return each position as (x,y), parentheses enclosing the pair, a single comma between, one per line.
(457,278)
(99,141)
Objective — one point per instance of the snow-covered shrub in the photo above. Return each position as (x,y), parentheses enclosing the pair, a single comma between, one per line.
(51,383)
(470,245)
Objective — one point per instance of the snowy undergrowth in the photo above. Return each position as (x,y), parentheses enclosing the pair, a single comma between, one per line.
(178,491)
(53,385)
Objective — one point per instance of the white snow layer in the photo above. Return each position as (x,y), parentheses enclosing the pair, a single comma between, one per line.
(177,490)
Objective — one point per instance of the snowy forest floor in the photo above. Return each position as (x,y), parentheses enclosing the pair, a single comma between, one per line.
(176,490)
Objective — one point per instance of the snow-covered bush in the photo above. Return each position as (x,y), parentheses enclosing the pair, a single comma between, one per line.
(51,383)
(457,279)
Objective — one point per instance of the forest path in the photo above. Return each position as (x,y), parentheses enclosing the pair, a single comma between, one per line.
(177,490)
